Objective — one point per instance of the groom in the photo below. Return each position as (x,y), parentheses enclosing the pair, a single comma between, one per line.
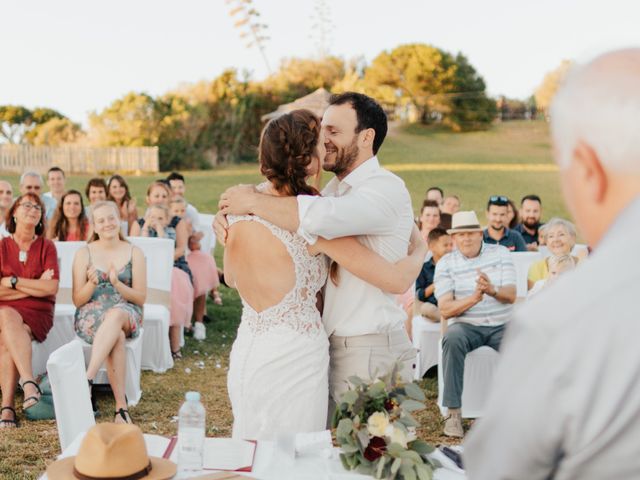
(364,324)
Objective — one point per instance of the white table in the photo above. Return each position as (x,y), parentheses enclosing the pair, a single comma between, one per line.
(270,464)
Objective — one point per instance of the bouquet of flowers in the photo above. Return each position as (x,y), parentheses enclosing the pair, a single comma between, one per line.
(376,431)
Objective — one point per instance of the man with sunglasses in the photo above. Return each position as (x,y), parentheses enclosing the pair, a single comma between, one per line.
(497,231)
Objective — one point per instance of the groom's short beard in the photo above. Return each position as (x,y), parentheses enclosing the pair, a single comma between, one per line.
(345,158)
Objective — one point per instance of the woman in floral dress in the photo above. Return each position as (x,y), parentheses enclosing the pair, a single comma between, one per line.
(109,290)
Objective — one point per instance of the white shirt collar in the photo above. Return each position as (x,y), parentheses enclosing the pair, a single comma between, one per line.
(360,174)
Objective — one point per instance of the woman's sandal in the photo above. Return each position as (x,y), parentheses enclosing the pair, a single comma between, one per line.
(32,398)
(8,423)
(177,355)
(124,415)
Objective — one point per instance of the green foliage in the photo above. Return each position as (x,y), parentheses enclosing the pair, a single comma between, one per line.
(21,125)
(442,87)
(370,430)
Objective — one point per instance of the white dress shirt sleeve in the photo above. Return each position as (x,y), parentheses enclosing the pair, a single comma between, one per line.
(370,209)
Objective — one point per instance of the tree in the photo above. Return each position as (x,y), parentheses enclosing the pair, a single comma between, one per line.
(442,87)
(17,122)
(300,76)
(551,82)
(55,132)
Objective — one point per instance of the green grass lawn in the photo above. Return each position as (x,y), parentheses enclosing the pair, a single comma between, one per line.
(25,452)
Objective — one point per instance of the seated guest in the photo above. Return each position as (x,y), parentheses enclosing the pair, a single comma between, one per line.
(440,244)
(55,182)
(497,231)
(95,191)
(513,219)
(560,238)
(181,308)
(6,200)
(451,204)
(178,188)
(31,182)
(203,268)
(69,223)
(530,214)
(429,218)
(28,287)
(475,289)
(109,290)
(118,192)
(436,194)
(557,265)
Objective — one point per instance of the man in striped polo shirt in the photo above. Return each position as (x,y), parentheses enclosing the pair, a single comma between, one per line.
(475,288)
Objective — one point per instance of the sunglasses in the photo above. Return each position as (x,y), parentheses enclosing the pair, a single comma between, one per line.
(500,200)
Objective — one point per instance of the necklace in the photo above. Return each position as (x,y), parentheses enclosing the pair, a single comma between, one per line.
(22,256)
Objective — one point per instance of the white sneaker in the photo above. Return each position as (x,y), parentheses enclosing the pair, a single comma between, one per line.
(199,332)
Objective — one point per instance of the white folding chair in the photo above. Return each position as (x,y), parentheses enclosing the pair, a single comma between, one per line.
(62,331)
(522,261)
(208,242)
(70,390)
(426,336)
(133,347)
(156,350)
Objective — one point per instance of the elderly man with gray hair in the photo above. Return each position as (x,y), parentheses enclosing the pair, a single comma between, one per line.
(565,402)
(31,182)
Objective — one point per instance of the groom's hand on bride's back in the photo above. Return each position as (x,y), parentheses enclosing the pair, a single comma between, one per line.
(235,200)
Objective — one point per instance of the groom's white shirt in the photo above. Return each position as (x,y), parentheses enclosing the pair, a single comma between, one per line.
(374,204)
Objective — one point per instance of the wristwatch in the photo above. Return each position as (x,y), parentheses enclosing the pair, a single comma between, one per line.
(14,281)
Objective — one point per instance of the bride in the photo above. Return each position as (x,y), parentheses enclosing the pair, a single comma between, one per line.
(279,362)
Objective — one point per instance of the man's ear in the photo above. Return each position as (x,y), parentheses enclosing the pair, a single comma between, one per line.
(367,138)
(589,172)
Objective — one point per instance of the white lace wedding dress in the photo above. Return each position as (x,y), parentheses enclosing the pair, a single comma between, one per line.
(279,362)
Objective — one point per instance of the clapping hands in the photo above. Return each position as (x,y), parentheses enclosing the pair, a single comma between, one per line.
(92,274)
(113,275)
(484,285)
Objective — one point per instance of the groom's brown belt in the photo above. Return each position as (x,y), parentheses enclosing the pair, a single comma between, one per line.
(395,337)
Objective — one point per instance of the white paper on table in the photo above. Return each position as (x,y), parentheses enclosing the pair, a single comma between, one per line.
(227,454)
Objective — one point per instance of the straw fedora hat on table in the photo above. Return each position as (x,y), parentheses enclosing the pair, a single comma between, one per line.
(112,452)
(464,222)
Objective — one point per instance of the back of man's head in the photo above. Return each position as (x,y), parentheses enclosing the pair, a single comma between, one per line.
(368,112)
(599,103)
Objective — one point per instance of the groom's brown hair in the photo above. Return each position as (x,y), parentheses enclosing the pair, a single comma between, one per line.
(287,147)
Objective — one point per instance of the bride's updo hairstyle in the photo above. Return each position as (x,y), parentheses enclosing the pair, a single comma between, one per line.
(287,148)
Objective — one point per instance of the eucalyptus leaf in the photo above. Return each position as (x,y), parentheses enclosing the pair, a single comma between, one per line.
(377,389)
(349,448)
(408,421)
(363,438)
(345,427)
(364,469)
(380,466)
(395,466)
(422,447)
(424,472)
(349,397)
(395,449)
(411,456)
(355,381)
(414,391)
(412,405)
(345,464)
(407,472)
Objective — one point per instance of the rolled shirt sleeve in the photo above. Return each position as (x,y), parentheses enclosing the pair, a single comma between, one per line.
(367,210)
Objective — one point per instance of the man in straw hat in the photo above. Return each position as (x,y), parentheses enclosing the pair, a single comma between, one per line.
(114,452)
(565,402)
(475,288)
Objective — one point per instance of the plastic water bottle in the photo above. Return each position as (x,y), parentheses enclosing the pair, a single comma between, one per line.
(191,424)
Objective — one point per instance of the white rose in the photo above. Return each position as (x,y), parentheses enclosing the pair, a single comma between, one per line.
(377,424)
(397,436)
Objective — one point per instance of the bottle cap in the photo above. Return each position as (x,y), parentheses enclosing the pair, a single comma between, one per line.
(192,396)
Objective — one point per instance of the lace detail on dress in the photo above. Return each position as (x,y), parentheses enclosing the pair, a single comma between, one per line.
(297,310)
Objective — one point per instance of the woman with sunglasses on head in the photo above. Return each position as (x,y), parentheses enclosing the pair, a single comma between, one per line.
(70,223)
(28,287)
(118,192)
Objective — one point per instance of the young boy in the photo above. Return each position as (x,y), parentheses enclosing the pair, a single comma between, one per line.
(440,244)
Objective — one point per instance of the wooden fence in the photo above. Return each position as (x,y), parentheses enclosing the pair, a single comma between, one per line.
(77,159)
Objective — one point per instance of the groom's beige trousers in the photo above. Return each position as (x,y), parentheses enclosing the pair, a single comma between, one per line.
(368,357)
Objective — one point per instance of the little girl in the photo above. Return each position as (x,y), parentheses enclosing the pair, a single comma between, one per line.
(203,268)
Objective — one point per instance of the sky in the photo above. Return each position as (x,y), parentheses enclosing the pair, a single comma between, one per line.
(77,56)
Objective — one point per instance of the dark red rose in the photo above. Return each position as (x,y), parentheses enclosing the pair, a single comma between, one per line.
(388,405)
(376,448)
